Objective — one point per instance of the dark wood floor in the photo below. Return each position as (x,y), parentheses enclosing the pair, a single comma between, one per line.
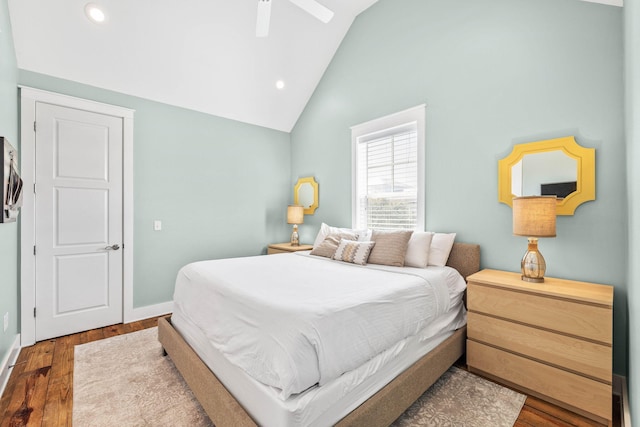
(40,390)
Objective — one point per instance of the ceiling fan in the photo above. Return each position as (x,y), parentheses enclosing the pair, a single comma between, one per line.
(310,6)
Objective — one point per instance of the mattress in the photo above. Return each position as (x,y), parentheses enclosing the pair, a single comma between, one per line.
(327,403)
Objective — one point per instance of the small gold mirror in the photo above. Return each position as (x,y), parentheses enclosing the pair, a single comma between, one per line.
(557,167)
(305,194)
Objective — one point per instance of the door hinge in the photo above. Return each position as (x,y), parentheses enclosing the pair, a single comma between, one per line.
(34,312)
(34,250)
(34,188)
(34,126)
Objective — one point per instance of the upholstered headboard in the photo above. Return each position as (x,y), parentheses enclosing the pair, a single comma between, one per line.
(465,257)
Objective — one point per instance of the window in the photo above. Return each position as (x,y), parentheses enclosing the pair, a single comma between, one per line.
(388,171)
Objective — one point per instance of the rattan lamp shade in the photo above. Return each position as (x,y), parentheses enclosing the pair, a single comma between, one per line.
(295,214)
(534,216)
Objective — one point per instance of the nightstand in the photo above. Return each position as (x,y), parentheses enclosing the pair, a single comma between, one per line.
(279,248)
(552,340)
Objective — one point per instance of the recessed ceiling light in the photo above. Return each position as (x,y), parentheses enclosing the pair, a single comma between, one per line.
(95,13)
(280,84)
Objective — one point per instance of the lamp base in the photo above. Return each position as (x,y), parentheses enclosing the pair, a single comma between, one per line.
(532,279)
(533,265)
(295,239)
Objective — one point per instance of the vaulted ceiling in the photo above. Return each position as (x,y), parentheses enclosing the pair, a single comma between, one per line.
(198,54)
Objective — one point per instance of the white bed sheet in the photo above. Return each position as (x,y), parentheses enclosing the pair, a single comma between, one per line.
(319,406)
(282,318)
(325,405)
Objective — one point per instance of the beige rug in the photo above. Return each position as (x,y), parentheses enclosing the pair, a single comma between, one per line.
(125,381)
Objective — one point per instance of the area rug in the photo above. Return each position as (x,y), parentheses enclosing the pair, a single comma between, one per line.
(125,381)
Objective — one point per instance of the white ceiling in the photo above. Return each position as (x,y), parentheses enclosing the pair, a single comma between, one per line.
(198,54)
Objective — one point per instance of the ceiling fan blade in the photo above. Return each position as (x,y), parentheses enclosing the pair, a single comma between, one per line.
(264,16)
(314,8)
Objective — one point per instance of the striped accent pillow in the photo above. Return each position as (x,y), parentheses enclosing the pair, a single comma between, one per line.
(354,252)
(329,245)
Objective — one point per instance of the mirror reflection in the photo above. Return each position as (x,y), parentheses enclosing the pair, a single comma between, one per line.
(305,195)
(551,173)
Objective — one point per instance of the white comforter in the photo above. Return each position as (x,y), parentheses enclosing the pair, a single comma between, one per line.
(293,320)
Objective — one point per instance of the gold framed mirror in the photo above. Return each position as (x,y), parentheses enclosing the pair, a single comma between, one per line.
(558,167)
(305,194)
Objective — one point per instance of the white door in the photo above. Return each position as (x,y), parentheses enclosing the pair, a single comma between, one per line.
(78,220)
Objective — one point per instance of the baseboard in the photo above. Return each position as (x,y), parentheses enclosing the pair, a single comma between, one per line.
(148,311)
(620,389)
(8,362)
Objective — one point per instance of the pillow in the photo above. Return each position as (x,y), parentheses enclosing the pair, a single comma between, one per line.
(418,249)
(325,230)
(390,248)
(441,245)
(329,245)
(354,252)
(363,235)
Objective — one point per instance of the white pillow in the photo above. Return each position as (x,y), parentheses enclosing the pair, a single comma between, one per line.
(325,230)
(440,248)
(418,249)
(363,235)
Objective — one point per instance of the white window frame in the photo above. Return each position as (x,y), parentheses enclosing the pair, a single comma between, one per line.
(381,125)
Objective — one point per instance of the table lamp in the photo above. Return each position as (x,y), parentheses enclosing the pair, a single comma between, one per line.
(534,217)
(295,216)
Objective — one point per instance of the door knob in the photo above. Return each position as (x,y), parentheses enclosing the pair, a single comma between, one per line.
(113,247)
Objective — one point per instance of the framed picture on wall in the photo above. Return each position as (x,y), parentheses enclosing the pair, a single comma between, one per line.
(11,191)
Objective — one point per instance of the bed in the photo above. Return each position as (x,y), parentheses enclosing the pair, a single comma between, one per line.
(371,397)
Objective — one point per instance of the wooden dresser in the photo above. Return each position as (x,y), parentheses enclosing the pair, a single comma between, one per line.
(552,340)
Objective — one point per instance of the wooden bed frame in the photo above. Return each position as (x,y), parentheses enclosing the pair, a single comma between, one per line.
(381,409)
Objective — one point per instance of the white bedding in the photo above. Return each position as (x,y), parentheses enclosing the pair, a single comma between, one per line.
(287,329)
(318,406)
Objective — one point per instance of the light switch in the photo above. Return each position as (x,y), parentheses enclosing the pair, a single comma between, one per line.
(157,225)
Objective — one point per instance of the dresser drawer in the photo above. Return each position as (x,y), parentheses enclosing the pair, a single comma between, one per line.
(584,357)
(590,321)
(573,390)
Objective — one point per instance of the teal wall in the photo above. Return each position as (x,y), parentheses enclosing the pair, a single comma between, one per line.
(8,232)
(220,187)
(632,110)
(492,73)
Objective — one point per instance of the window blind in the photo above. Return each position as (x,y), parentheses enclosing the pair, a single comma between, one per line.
(387,178)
